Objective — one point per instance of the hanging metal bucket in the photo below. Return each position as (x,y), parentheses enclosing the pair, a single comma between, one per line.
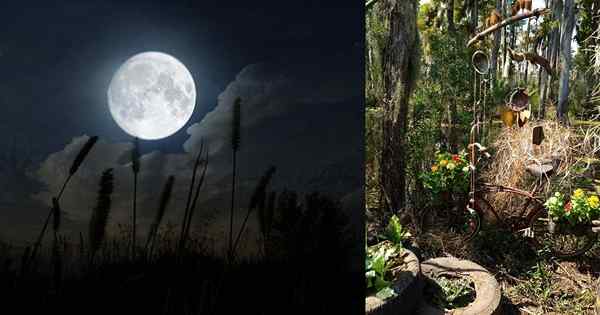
(480,62)
(519,100)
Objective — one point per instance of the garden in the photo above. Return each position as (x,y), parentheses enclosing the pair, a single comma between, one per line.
(483,146)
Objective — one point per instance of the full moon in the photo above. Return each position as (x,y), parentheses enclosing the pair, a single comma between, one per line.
(152,95)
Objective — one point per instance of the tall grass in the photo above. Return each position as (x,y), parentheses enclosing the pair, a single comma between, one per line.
(265,220)
(135,167)
(189,198)
(193,205)
(56,256)
(235,145)
(162,206)
(257,200)
(99,219)
(83,153)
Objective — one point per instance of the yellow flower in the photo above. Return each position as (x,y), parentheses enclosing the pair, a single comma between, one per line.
(443,163)
(593,201)
(451,166)
(434,168)
(578,193)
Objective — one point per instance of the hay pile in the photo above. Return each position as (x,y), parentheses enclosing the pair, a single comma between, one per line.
(513,151)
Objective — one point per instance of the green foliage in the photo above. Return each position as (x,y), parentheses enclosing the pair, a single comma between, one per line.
(587,22)
(395,233)
(382,257)
(451,293)
(377,30)
(454,293)
(450,67)
(377,269)
(449,173)
(444,90)
(581,208)
(373,145)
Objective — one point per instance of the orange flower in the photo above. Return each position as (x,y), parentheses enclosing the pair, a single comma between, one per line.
(568,207)
(456,158)
(434,168)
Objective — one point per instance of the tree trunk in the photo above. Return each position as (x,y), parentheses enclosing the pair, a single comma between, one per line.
(399,75)
(495,48)
(565,58)
(505,61)
(450,16)
(474,15)
(557,8)
(525,78)
(542,86)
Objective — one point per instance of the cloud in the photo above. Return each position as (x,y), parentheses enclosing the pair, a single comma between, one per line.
(304,125)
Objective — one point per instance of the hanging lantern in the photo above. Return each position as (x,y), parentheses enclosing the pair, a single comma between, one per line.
(480,62)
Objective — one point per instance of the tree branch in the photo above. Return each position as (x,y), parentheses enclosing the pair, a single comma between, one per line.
(370,3)
(508,21)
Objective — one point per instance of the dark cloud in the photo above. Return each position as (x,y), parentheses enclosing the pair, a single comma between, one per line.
(302,124)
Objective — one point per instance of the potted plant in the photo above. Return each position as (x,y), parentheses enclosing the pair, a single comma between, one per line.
(457,286)
(392,273)
(573,215)
(448,178)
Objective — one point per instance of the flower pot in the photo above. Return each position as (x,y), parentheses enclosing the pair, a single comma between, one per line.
(408,286)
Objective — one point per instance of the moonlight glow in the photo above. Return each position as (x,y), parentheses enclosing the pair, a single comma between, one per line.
(152,95)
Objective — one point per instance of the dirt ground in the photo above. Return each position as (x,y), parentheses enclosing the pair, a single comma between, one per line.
(532,282)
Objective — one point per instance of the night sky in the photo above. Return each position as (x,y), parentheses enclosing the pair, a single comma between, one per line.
(297,63)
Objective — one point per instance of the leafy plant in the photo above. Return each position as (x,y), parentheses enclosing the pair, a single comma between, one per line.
(582,207)
(395,233)
(377,269)
(449,173)
(450,293)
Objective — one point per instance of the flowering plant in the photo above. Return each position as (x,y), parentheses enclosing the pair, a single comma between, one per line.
(581,208)
(449,173)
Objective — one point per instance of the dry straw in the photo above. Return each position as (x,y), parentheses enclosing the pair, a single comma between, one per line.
(514,151)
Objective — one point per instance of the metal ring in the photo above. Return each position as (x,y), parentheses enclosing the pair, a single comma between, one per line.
(481,62)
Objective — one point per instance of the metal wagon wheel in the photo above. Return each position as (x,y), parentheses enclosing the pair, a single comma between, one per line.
(455,224)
